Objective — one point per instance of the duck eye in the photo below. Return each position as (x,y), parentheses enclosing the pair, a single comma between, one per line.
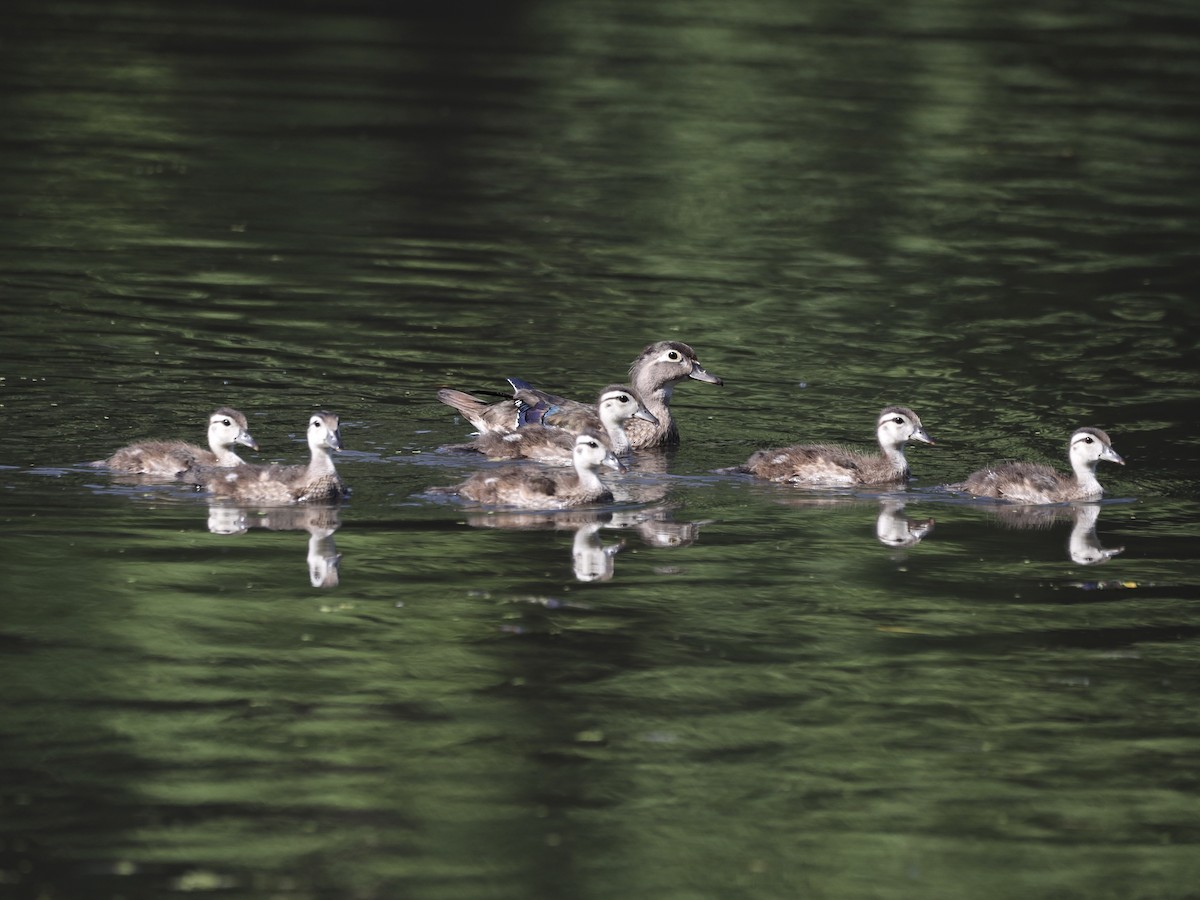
(226,422)
(1088,440)
(673,356)
(623,399)
(899,420)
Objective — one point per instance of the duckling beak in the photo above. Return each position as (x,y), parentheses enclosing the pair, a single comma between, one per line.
(245,440)
(701,375)
(1112,456)
(644,413)
(334,440)
(613,463)
(923,436)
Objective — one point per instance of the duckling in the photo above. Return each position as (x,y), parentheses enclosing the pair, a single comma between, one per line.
(554,442)
(614,408)
(276,484)
(825,464)
(1024,482)
(654,374)
(537,488)
(169,459)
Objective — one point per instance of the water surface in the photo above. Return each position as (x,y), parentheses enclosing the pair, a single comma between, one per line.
(713,687)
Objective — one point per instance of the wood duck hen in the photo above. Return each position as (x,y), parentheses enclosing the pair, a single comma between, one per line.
(169,459)
(1026,482)
(653,375)
(828,464)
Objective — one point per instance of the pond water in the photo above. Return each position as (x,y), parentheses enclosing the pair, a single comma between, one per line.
(714,687)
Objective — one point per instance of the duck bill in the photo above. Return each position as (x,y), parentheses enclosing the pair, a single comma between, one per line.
(923,436)
(246,440)
(615,464)
(701,374)
(1112,456)
(334,441)
(644,413)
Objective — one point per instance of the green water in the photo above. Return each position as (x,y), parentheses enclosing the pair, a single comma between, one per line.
(715,688)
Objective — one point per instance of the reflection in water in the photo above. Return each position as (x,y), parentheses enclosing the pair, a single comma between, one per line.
(1083,546)
(593,560)
(657,526)
(895,529)
(320,522)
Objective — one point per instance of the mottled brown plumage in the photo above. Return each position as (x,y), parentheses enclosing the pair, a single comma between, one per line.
(169,459)
(534,487)
(609,417)
(555,444)
(1025,482)
(274,485)
(828,464)
(654,374)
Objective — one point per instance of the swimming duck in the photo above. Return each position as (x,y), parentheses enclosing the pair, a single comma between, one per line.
(611,414)
(554,441)
(826,464)
(279,484)
(1024,482)
(654,374)
(169,459)
(537,488)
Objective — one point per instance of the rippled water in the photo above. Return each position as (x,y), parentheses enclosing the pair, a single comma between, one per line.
(713,687)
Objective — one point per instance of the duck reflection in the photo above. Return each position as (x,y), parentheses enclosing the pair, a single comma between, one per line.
(895,529)
(592,559)
(1083,544)
(320,522)
(658,527)
(893,526)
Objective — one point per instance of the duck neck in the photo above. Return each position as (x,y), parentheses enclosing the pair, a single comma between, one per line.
(657,398)
(616,432)
(225,455)
(321,463)
(1085,477)
(894,454)
(589,479)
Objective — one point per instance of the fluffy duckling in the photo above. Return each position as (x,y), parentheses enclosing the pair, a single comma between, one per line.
(614,408)
(826,464)
(276,484)
(1024,482)
(169,459)
(654,374)
(554,441)
(537,488)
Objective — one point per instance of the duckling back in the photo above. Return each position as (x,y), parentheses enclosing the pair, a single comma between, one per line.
(170,459)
